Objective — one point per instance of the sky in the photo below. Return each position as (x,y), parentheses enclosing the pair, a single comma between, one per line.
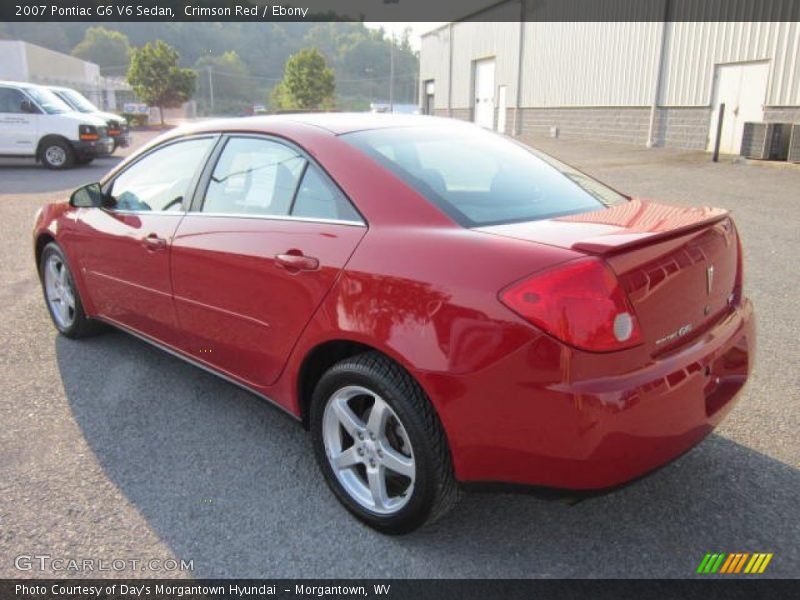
(417,29)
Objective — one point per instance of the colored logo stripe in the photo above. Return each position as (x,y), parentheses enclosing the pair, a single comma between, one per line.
(734,563)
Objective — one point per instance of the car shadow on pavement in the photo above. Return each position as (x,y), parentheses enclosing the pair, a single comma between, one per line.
(229,482)
(25,176)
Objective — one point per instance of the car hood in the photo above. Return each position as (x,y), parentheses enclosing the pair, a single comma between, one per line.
(83,119)
(107,116)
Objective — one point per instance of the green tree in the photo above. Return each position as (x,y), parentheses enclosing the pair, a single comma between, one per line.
(233,87)
(307,84)
(109,49)
(157,79)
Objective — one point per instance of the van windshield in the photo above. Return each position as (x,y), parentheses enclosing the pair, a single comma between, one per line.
(481,178)
(77,100)
(50,103)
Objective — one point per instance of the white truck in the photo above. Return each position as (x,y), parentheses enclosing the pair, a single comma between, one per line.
(118,129)
(36,123)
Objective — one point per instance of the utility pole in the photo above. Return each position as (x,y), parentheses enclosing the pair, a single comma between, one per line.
(209,68)
(391,75)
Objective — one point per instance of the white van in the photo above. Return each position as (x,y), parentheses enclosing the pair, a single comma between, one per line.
(36,123)
(118,129)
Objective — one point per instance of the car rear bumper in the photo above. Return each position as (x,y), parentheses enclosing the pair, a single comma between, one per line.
(553,416)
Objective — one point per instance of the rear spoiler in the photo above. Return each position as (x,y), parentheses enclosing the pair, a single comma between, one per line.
(640,222)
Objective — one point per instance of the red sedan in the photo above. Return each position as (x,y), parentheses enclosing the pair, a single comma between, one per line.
(437,303)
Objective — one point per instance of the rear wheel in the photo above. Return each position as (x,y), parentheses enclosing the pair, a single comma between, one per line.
(61,295)
(380,445)
(57,154)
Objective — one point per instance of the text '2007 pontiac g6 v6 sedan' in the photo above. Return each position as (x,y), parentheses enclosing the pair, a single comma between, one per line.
(436,303)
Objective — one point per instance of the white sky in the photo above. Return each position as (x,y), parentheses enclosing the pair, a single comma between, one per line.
(417,29)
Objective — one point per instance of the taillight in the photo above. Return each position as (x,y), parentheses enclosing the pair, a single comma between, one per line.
(580,303)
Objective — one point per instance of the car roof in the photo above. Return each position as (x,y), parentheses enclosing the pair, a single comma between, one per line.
(335,123)
(20,84)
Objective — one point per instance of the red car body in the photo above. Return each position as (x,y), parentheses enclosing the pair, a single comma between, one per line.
(517,404)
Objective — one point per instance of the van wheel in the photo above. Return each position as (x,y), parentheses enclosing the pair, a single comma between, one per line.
(57,154)
(380,444)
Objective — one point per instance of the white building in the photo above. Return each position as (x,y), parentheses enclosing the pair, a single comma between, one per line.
(654,83)
(21,61)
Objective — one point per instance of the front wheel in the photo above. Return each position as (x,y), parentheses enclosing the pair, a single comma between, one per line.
(380,444)
(61,295)
(58,154)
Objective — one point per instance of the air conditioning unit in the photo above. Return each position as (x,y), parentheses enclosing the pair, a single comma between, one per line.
(766,141)
(794,144)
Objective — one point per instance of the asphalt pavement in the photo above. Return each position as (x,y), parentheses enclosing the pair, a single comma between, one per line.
(111,449)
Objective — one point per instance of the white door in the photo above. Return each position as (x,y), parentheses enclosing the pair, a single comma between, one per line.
(17,127)
(742,87)
(484,93)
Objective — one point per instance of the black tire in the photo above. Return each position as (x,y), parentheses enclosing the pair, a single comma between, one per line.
(53,148)
(435,490)
(81,325)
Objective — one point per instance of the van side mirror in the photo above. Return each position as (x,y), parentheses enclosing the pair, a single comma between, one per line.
(27,106)
(88,196)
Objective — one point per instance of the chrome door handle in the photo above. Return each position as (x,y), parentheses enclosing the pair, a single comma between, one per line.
(294,261)
(153,242)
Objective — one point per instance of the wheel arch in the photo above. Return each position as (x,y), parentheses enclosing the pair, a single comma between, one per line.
(42,240)
(323,356)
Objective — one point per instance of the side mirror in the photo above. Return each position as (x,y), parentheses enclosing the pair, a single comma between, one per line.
(88,196)
(27,106)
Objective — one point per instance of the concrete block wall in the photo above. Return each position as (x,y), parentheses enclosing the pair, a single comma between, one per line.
(782,114)
(675,127)
(683,127)
(607,124)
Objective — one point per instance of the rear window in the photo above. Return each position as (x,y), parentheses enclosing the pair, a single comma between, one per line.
(480,178)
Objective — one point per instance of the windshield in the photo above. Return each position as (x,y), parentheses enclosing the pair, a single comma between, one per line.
(50,103)
(481,178)
(77,101)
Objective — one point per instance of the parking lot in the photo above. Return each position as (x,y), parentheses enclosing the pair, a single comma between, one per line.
(112,449)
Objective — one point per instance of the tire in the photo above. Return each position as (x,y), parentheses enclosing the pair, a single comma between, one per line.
(409,433)
(57,154)
(61,295)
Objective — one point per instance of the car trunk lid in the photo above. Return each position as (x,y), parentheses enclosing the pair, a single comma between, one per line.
(678,265)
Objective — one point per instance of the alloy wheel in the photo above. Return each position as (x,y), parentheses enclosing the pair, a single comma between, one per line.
(59,290)
(369,450)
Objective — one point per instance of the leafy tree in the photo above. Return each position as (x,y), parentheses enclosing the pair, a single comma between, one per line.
(307,84)
(157,79)
(234,88)
(109,49)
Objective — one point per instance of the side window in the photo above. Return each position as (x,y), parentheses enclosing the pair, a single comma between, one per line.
(317,198)
(160,180)
(254,176)
(11,100)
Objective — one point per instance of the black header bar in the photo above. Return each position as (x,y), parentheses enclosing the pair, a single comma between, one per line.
(399,10)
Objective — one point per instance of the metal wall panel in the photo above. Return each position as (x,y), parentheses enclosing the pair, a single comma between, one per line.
(568,64)
(474,41)
(590,63)
(693,50)
(434,61)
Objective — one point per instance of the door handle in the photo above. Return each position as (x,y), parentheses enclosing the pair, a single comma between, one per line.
(294,261)
(153,242)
